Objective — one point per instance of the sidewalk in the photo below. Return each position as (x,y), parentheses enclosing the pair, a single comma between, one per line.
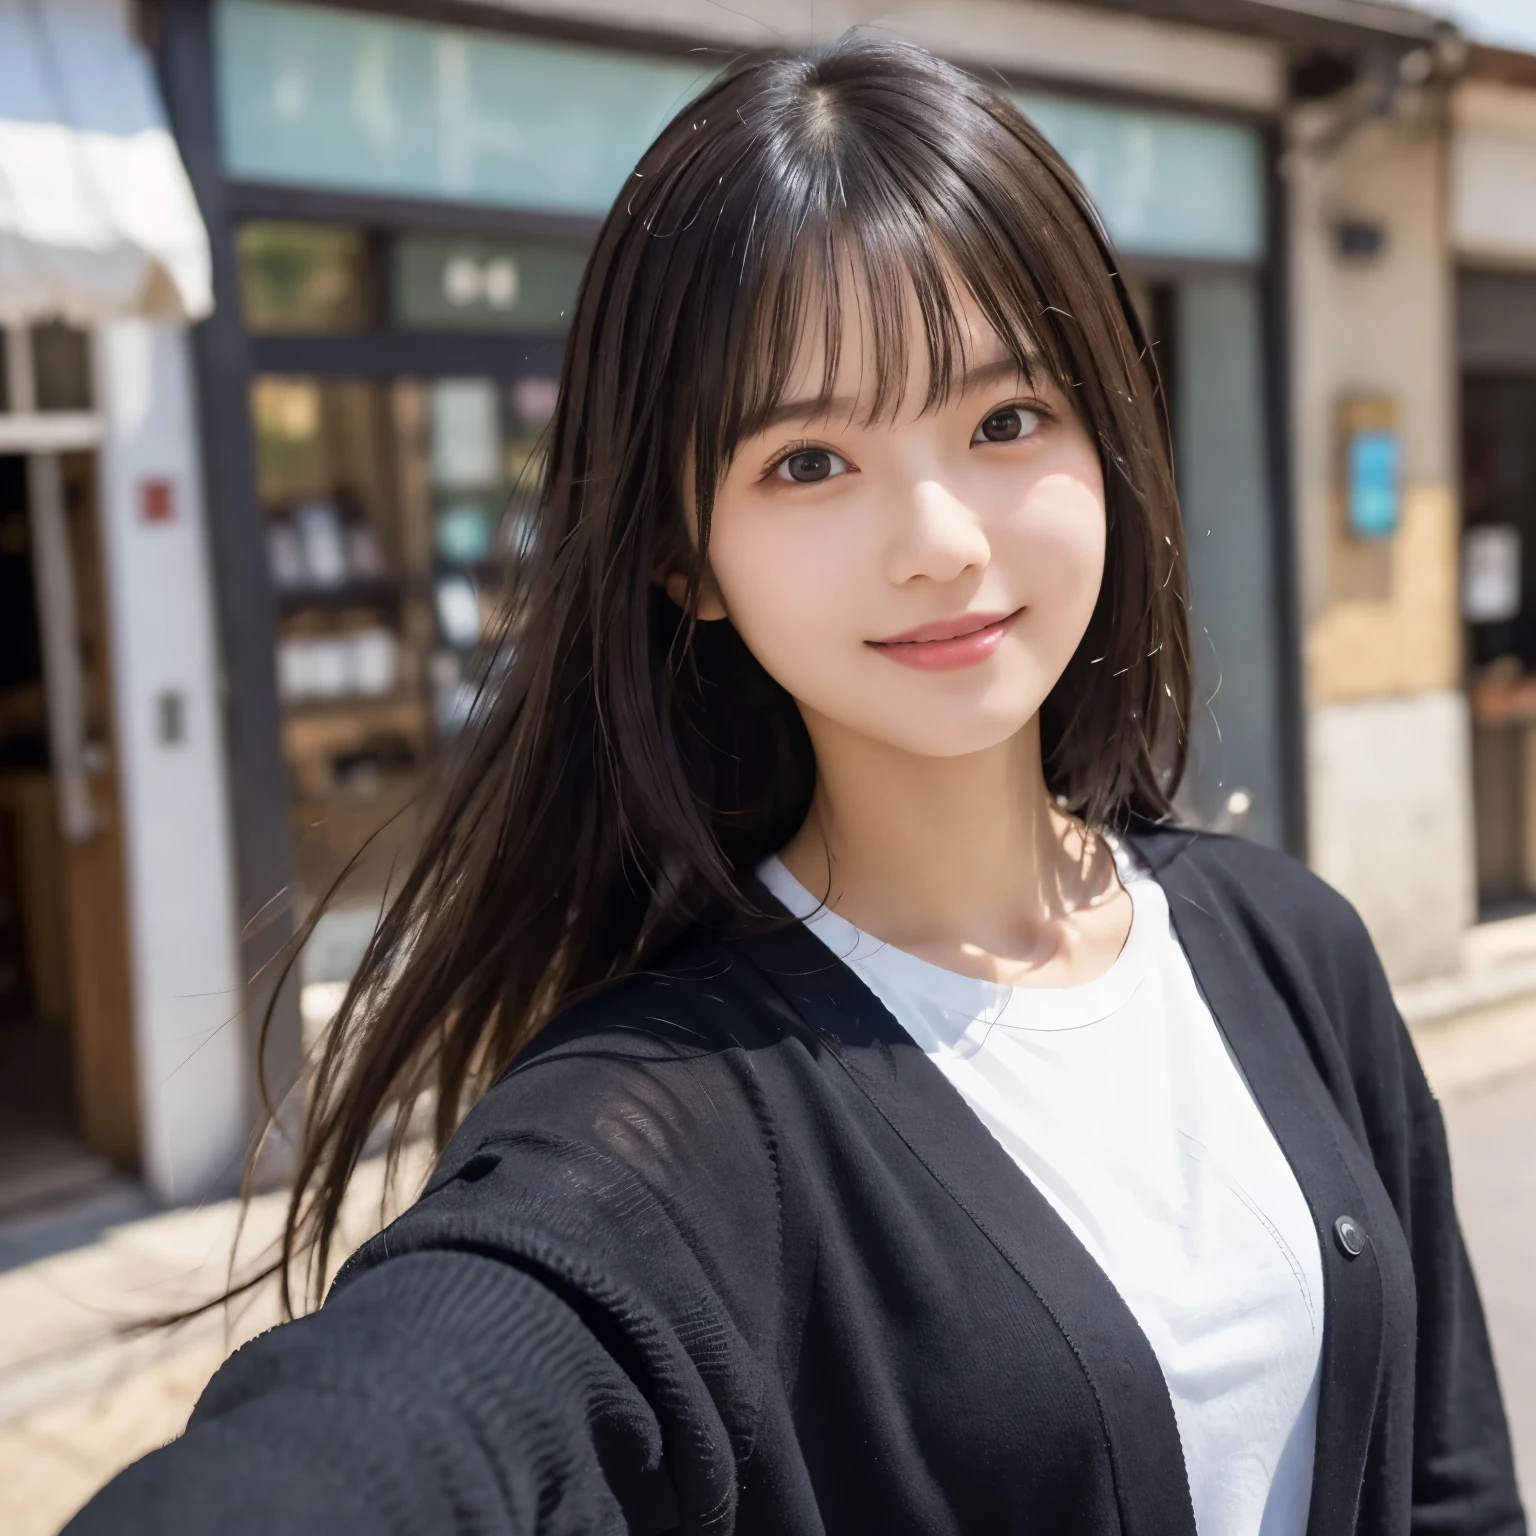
(78,1401)
(1480,1023)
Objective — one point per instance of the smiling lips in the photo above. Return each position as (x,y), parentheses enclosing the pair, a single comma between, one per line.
(949,643)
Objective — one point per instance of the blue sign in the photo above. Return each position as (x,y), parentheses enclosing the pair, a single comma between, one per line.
(1373,474)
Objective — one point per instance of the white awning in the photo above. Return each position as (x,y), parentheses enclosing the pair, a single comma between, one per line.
(97,217)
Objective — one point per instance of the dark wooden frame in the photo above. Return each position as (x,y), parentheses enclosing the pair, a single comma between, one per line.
(306,205)
(403,354)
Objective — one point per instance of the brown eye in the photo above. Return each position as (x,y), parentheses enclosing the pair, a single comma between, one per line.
(1006,425)
(809,465)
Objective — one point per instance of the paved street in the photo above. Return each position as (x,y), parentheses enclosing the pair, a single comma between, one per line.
(1492,1129)
(78,1400)
(80,1397)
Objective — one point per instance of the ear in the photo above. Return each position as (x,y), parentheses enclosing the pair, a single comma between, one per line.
(711,603)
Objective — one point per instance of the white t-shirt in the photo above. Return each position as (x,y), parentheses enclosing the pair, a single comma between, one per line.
(1120,1101)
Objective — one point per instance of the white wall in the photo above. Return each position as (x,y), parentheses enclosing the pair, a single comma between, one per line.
(1391,822)
(189,1032)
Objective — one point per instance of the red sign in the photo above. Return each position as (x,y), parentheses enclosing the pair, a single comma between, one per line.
(157,501)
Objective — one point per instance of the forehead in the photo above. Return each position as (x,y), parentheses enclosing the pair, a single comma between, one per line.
(848,345)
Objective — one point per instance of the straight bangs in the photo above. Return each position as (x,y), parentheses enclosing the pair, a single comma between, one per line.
(878,259)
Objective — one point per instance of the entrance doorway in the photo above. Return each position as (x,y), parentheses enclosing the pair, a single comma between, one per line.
(68,1106)
(1498,426)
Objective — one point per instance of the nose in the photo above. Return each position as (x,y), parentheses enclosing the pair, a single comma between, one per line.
(935,537)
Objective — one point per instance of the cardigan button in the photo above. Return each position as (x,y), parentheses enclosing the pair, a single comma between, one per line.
(1350,1236)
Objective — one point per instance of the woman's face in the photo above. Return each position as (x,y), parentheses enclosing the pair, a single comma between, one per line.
(922,581)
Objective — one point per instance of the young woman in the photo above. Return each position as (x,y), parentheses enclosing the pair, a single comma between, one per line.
(896,1122)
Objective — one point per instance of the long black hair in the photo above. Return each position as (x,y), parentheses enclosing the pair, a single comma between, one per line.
(631,763)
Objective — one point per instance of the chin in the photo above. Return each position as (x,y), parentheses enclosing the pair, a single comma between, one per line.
(953,733)
(934,714)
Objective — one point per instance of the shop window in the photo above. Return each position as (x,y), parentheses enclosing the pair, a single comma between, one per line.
(504,285)
(1499,482)
(355,725)
(392,513)
(61,363)
(303,278)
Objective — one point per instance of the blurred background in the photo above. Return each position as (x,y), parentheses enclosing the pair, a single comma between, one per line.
(284,290)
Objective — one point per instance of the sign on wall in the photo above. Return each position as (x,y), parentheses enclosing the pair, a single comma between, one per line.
(1372,454)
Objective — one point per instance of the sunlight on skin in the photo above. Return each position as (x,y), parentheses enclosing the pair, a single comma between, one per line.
(918,586)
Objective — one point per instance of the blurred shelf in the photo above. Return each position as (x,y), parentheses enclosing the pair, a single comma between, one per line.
(383,595)
(319,730)
(355,707)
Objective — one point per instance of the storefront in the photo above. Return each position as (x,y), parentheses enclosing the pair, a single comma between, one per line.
(400,211)
(118,981)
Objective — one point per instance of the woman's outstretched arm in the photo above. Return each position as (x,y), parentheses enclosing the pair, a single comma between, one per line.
(562,1336)
(437,1392)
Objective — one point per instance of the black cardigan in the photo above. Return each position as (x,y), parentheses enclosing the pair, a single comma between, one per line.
(724,1252)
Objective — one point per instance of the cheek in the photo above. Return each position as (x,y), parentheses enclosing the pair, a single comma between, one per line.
(786,578)
(1055,547)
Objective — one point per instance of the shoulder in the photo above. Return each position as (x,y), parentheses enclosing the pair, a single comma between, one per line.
(655,1072)
(626,1159)
(631,1135)
(1258,889)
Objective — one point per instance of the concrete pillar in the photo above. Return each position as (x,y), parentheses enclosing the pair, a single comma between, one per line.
(188,1030)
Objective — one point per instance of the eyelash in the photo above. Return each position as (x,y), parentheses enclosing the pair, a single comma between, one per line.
(1024,407)
(805,445)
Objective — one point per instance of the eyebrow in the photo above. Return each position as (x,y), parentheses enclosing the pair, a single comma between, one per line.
(820,407)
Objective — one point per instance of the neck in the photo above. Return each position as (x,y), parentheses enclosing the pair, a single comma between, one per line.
(922,849)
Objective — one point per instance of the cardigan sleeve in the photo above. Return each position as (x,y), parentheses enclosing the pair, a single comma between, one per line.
(562,1336)
(1463,1472)
(440,1392)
